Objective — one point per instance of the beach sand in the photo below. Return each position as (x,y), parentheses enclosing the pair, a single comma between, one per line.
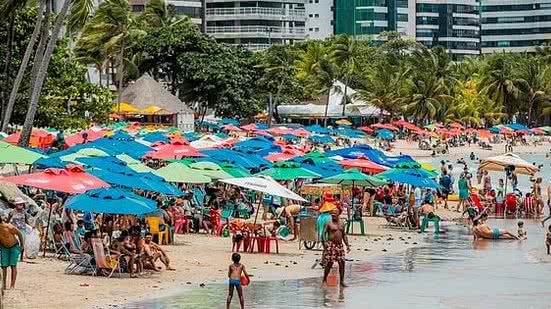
(202,259)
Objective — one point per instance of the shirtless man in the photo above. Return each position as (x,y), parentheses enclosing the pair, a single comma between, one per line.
(333,246)
(154,252)
(10,249)
(538,197)
(482,231)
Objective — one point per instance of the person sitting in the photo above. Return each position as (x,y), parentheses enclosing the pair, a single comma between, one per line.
(521,231)
(154,252)
(81,230)
(119,246)
(429,197)
(70,242)
(482,231)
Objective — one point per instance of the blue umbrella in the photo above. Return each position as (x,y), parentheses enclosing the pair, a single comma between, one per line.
(155,137)
(230,121)
(106,163)
(290,137)
(142,181)
(518,127)
(259,142)
(317,129)
(261,126)
(50,162)
(409,177)
(111,201)
(385,134)
(374,155)
(322,139)
(250,161)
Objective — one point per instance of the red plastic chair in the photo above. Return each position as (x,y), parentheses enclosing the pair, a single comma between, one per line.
(180,225)
(268,242)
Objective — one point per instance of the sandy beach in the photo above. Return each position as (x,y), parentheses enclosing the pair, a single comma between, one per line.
(202,259)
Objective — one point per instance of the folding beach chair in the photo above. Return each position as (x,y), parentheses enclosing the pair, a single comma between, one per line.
(103,261)
(78,263)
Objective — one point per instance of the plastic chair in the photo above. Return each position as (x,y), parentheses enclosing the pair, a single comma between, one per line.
(351,220)
(435,220)
(154,229)
(181,224)
(268,244)
(224,217)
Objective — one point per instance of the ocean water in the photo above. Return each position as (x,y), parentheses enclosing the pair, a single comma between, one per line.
(448,271)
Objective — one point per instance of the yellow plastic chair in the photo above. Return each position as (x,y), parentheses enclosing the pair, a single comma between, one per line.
(153,223)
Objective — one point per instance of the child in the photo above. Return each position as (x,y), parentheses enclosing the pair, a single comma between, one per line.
(548,240)
(521,232)
(234,274)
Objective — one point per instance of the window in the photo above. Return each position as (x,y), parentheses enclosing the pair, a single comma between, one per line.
(311,29)
(310,15)
(317,29)
(503,43)
(316,1)
(317,15)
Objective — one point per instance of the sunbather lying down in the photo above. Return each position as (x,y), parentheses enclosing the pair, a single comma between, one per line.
(482,231)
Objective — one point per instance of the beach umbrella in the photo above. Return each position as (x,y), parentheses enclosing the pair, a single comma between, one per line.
(281,156)
(207,141)
(73,179)
(301,132)
(174,150)
(84,153)
(78,138)
(113,201)
(387,126)
(290,137)
(288,171)
(324,170)
(366,129)
(343,122)
(125,108)
(456,125)
(106,163)
(363,164)
(321,139)
(317,129)
(135,165)
(39,138)
(235,170)
(355,178)
(410,177)
(279,131)
(153,137)
(231,127)
(385,134)
(249,127)
(140,181)
(264,184)
(14,154)
(501,162)
(247,161)
(235,122)
(179,172)
(518,127)
(484,133)
(210,169)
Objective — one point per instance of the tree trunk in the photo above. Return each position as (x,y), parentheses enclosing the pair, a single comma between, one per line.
(23,67)
(345,98)
(530,107)
(7,66)
(39,53)
(273,109)
(37,88)
(326,108)
(121,74)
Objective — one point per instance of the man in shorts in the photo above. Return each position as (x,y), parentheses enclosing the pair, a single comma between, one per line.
(11,248)
(333,246)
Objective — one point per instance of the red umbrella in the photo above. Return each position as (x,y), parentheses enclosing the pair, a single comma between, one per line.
(301,133)
(263,133)
(280,131)
(79,139)
(484,133)
(39,138)
(384,126)
(364,165)
(538,131)
(366,129)
(177,149)
(73,179)
(280,156)
(456,125)
(230,127)
(249,127)
(401,123)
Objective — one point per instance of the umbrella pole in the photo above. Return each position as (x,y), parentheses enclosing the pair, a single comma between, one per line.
(505,197)
(47,230)
(258,209)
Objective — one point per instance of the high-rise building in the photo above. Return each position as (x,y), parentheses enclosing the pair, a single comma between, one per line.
(256,24)
(320,20)
(453,24)
(515,25)
(362,18)
(191,8)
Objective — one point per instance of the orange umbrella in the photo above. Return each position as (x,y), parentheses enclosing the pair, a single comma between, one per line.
(364,165)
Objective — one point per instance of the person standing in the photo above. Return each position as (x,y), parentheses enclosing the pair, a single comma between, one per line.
(334,249)
(445,182)
(463,191)
(12,247)
(486,182)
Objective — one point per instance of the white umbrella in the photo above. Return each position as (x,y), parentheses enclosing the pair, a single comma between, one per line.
(501,162)
(264,184)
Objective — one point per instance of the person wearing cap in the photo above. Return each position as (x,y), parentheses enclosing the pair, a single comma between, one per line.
(18,216)
(12,247)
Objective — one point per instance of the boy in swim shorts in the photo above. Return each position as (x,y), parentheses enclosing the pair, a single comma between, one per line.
(234,274)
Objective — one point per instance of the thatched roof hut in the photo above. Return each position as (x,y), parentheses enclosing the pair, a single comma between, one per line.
(146,92)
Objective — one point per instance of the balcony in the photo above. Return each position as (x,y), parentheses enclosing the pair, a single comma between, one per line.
(228,32)
(255,13)
(253,46)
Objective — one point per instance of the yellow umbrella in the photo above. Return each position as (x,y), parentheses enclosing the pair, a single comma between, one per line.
(343,122)
(427,166)
(155,110)
(125,108)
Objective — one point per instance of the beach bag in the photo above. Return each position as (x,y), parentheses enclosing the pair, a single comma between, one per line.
(32,244)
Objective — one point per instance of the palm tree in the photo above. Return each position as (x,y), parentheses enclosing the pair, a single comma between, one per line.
(533,79)
(42,61)
(308,60)
(158,14)
(345,53)
(498,82)
(112,29)
(427,94)
(24,63)
(278,65)
(383,87)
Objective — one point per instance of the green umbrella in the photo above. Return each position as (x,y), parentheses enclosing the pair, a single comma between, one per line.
(355,178)
(288,171)
(14,154)
(85,152)
(416,168)
(185,161)
(210,169)
(134,164)
(318,157)
(235,170)
(178,172)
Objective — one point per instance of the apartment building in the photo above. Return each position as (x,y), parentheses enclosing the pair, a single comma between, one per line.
(320,20)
